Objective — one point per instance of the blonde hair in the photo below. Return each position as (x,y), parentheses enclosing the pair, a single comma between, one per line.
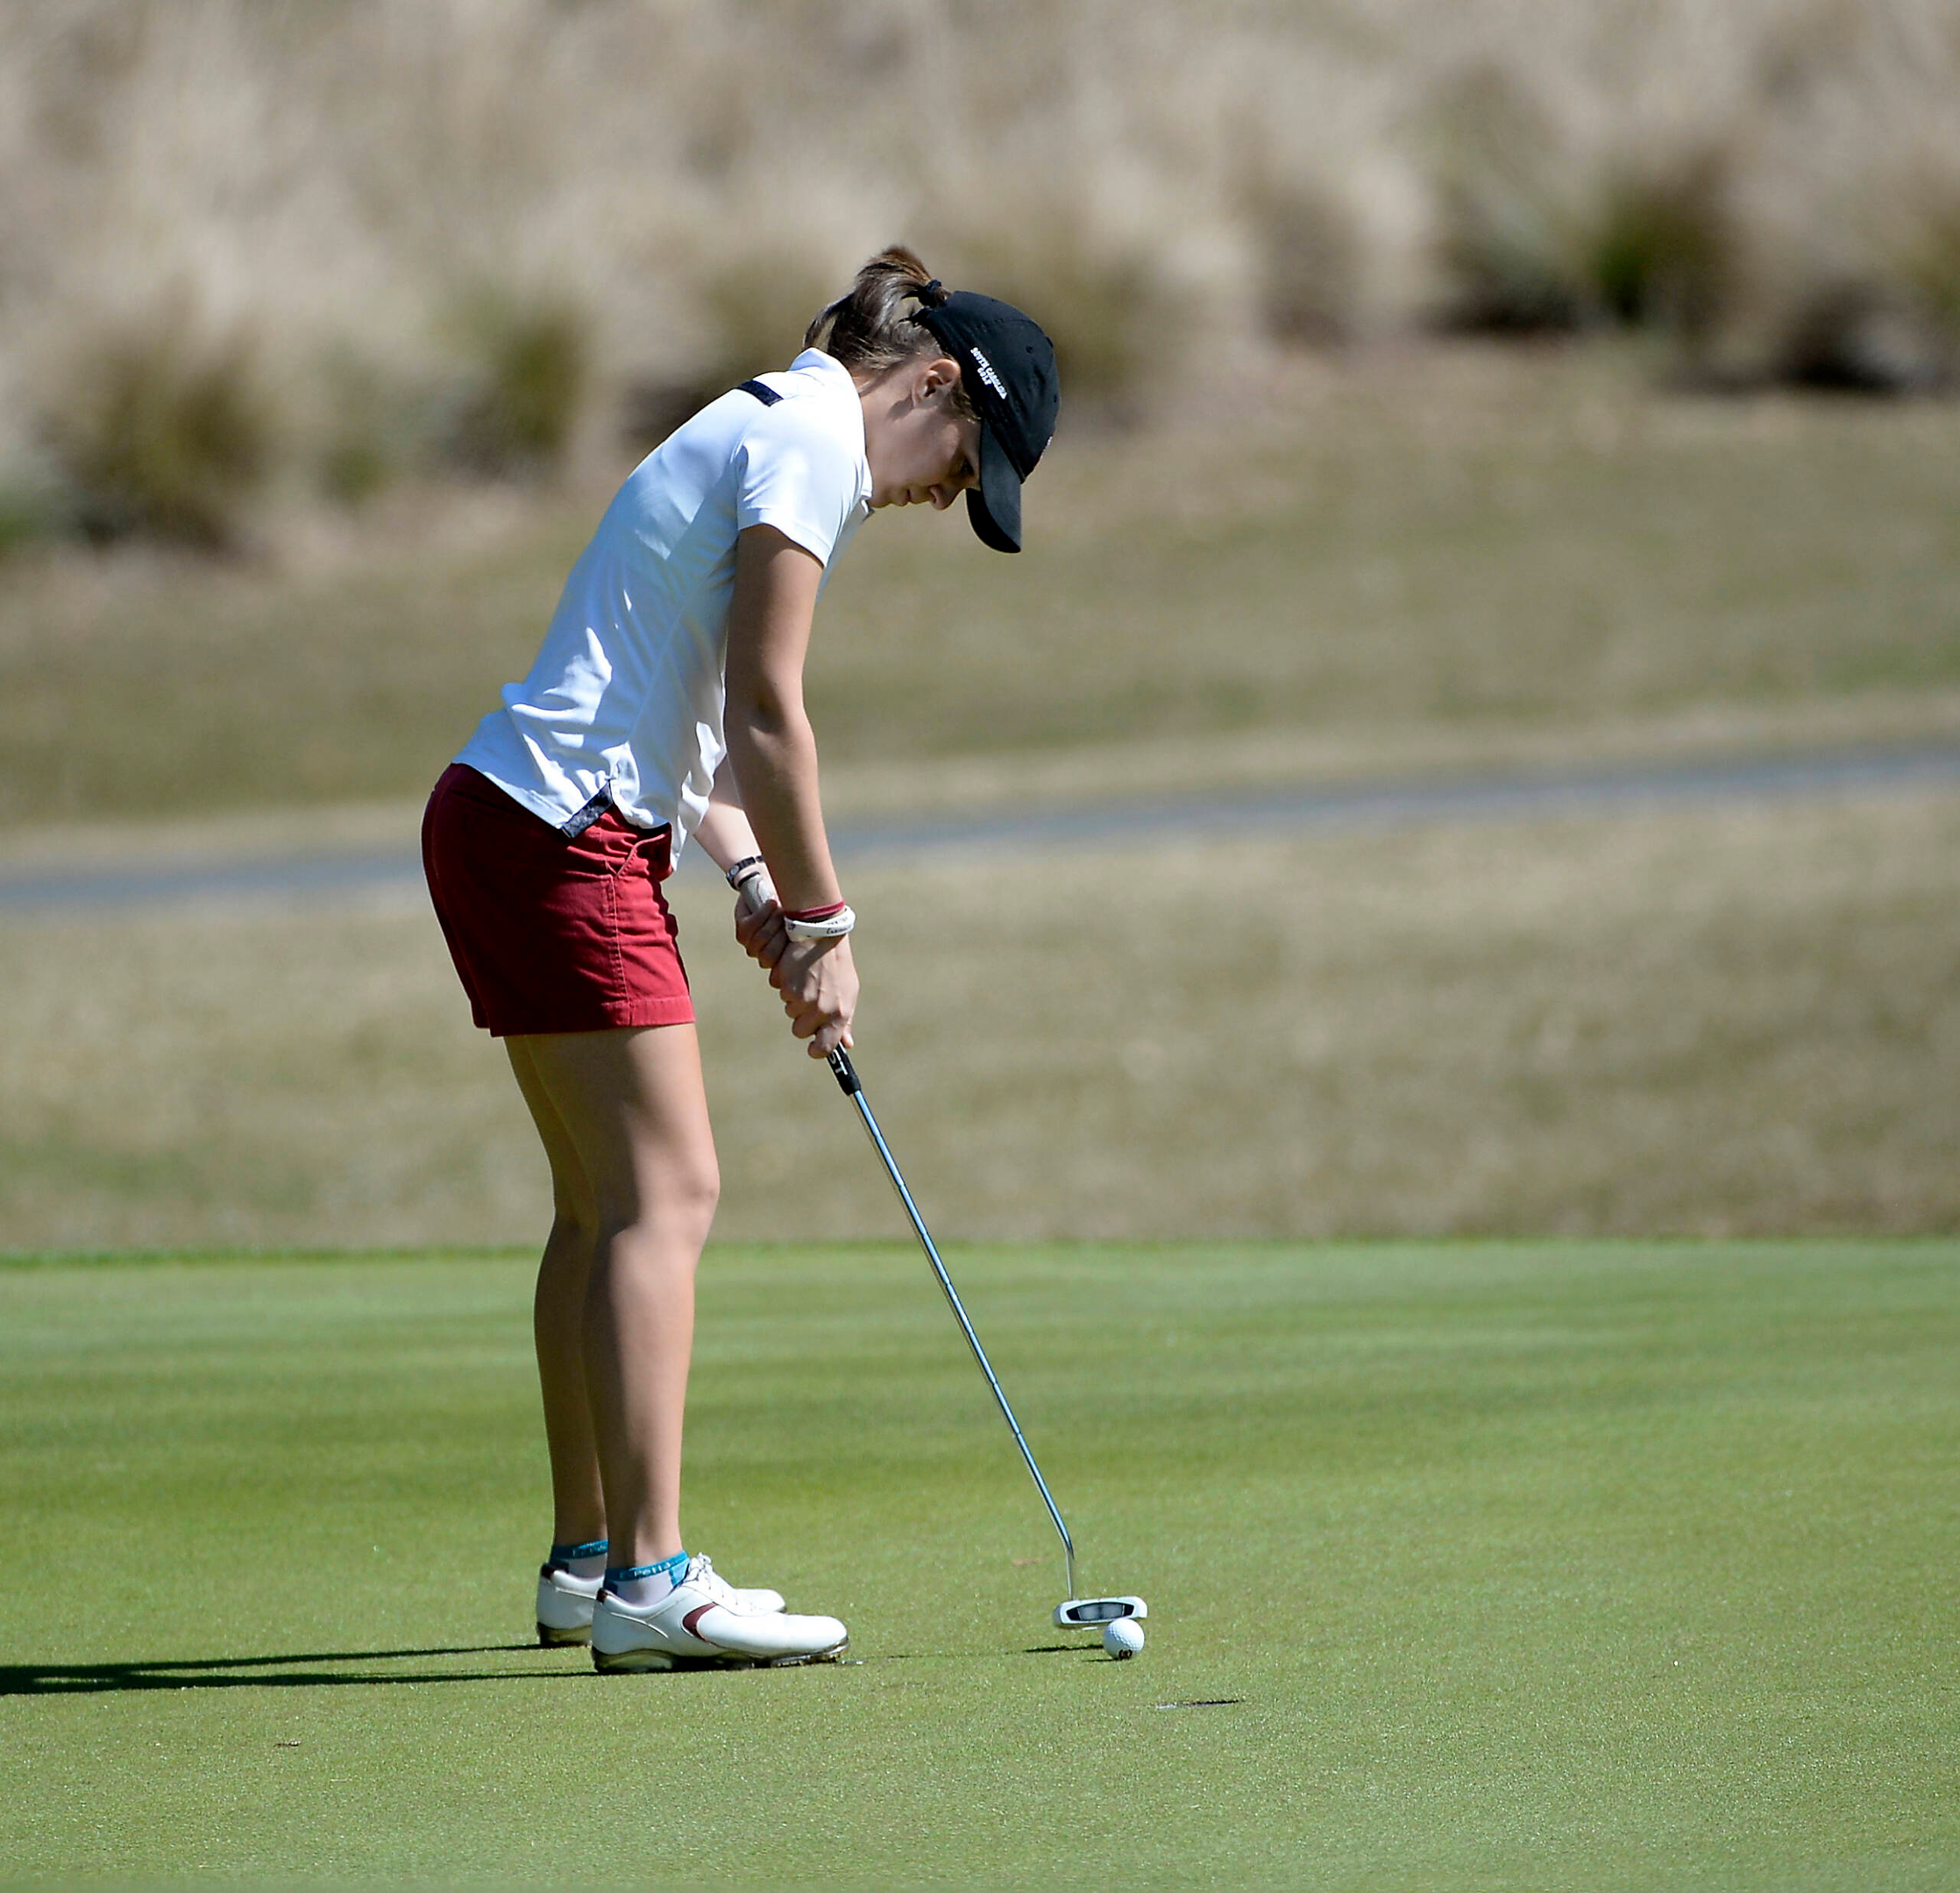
(869,328)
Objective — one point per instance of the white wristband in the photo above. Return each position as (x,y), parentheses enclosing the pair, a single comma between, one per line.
(832,926)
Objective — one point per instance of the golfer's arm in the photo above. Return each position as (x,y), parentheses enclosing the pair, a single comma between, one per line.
(724,832)
(770,744)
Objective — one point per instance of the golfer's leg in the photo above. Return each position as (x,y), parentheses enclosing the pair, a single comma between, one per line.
(633,1105)
(558,1317)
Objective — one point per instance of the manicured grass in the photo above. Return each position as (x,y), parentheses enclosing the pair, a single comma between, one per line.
(1540,1565)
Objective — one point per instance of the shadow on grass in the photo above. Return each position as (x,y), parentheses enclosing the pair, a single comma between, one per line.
(283,1672)
(263,1672)
(927,1655)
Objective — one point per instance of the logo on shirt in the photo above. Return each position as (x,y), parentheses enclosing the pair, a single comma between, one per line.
(987,373)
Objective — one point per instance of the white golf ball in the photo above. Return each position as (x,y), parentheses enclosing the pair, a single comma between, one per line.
(1123,1638)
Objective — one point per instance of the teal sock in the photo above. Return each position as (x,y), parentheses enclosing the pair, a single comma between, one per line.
(587,1560)
(642,1584)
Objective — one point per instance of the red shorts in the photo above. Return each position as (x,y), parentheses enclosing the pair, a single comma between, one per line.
(550,932)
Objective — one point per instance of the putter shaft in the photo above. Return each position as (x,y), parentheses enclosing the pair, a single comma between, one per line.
(846,1074)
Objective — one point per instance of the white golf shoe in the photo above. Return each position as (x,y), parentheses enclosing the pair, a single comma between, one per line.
(564,1604)
(564,1601)
(694,1627)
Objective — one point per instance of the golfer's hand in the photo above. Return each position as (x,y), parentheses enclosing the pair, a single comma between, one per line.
(819,984)
(760,932)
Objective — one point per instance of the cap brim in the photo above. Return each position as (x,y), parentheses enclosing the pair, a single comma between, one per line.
(994,506)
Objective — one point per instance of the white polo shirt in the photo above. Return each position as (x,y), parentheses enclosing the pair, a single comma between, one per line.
(624,702)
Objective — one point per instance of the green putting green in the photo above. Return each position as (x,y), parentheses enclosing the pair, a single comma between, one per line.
(1469,1565)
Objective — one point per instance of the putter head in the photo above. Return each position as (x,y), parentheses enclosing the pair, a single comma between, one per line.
(1092,1613)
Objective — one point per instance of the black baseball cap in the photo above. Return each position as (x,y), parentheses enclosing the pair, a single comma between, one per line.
(1007,368)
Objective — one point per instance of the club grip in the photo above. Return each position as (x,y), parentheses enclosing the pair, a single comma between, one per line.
(845,1073)
(756,890)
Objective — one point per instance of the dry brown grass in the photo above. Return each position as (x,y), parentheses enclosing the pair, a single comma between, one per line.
(677,182)
(1449,552)
(1744,1020)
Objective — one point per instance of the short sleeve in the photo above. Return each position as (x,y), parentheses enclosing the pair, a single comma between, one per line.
(796,472)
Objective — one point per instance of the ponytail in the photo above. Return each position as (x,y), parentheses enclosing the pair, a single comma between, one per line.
(869,329)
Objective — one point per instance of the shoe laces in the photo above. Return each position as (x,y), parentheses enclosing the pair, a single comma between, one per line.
(702,1574)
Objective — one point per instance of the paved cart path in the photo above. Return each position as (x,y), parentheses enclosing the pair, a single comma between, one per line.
(330,875)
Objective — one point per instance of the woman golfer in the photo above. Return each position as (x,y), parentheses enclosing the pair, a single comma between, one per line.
(667,703)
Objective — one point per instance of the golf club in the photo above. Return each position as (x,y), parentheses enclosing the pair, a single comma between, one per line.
(1074,1613)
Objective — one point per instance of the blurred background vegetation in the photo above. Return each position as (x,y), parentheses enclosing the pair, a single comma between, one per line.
(1449,383)
(257,251)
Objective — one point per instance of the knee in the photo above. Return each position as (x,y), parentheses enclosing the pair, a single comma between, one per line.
(683,1197)
(577,1229)
(707,1183)
(675,1214)
(574,1223)
(691,1198)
